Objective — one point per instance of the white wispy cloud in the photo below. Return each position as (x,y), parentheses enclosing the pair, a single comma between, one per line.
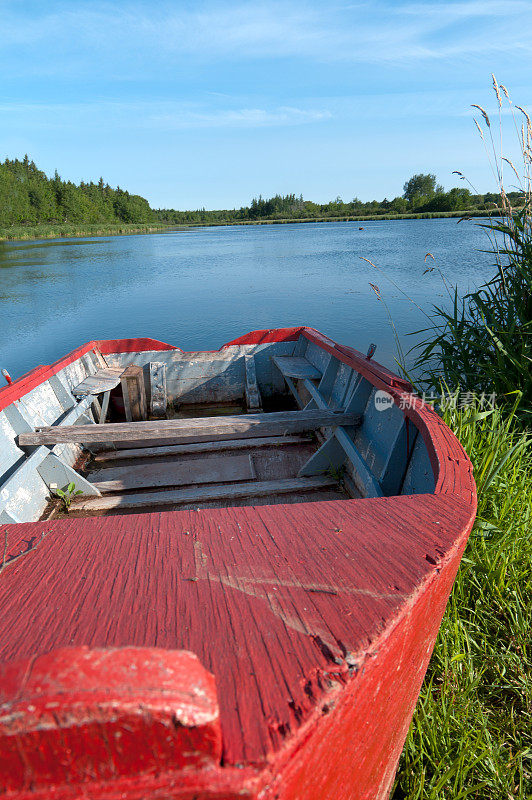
(137,36)
(161,116)
(239,118)
(455,11)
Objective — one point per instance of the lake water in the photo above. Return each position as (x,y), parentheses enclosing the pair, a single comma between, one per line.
(199,288)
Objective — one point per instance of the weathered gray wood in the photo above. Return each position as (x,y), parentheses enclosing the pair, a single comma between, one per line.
(396,463)
(99,357)
(46,464)
(17,418)
(6,518)
(105,407)
(295,367)
(317,400)
(300,347)
(369,484)
(327,380)
(61,392)
(330,456)
(158,394)
(103,380)
(358,399)
(79,411)
(54,471)
(200,447)
(203,494)
(252,390)
(240,426)
(184,472)
(419,478)
(316,395)
(133,390)
(291,385)
(96,408)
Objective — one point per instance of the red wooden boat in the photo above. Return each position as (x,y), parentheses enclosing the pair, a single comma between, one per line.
(243,599)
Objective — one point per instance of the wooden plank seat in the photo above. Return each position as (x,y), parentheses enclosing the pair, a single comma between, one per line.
(103,380)
(239,426)
(296,367)
(202,494)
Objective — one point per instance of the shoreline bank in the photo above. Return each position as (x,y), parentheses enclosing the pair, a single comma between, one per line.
(70,231)
(22,233)
(368,218)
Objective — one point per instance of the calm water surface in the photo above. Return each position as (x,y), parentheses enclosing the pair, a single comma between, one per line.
(202,287)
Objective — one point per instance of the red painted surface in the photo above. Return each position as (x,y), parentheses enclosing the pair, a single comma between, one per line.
(131,345)
(317,621)
(268,335)
(75,715)
(351,752)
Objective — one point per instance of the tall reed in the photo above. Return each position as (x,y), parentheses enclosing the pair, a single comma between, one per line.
(484,342)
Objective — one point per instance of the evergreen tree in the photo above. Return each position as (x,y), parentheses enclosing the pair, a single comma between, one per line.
(28,196)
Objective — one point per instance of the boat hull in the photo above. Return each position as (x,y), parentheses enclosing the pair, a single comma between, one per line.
(260,651)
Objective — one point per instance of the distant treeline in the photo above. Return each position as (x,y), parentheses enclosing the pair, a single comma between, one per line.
(28,198)
(286,207)
(421,195)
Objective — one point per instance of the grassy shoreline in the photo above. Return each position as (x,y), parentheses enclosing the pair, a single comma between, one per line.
(470,736)
(69,230)
(72,230)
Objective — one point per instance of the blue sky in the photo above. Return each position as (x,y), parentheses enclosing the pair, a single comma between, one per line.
(209,103)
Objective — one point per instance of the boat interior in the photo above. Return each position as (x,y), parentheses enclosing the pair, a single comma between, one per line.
(285,421)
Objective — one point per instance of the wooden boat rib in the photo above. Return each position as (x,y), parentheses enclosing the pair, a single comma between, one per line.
(262,627)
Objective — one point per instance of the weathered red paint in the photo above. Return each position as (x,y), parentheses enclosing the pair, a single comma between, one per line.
(79,714)
(131,345)
(317,621)
(268,335)
(336,762)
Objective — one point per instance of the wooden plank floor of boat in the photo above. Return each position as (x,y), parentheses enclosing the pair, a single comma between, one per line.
(205,475)
(178,471)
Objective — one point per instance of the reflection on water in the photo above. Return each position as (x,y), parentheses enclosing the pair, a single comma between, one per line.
(201,287)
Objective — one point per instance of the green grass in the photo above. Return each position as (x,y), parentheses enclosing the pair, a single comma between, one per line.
(471,735)
(70,229)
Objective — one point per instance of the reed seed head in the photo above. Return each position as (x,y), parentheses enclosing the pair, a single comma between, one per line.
(508,161)
(484,114)
(376,290)
(478,128)
(527,117)
(496,89)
